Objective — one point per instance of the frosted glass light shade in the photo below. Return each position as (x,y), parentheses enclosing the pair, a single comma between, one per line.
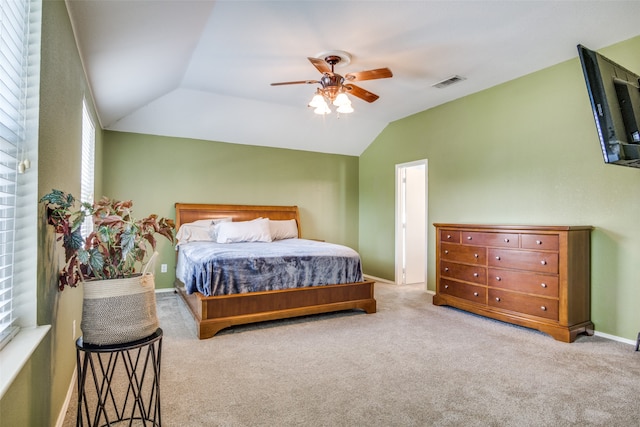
(322,109)
(317,101)
(342,99)
(345,109)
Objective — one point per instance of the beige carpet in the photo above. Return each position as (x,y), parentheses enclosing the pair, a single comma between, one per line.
(410,364)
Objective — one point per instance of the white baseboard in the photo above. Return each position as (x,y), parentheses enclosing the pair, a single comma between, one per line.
(378,279)
(164,290)
(67,400)
(614,338)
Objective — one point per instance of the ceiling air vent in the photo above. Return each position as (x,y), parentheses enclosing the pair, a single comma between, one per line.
(448,82)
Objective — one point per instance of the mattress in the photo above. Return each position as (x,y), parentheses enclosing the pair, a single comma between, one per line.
(230,268)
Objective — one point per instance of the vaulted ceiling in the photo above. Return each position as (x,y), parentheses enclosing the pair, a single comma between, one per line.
(202,69)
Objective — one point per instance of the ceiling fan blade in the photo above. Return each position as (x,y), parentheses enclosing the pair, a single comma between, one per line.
(379,73)
(360,93)
(320,64)
(299,82)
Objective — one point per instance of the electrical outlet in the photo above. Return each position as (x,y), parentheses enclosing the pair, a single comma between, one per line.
(163,268)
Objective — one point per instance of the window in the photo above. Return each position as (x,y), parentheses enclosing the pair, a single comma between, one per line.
(88,155)
(20,25)
(13,88)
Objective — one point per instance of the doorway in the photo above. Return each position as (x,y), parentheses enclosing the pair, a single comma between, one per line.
(411,222)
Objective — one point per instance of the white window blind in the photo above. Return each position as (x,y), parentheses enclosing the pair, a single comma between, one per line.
(13,77)
(88,155)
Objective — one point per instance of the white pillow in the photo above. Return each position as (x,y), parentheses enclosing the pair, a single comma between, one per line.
(213,229)
(206,223)
(198,231)
(256,230)
(193,233)
(283,229)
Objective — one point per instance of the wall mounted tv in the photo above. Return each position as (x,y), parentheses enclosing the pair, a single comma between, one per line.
(614,92)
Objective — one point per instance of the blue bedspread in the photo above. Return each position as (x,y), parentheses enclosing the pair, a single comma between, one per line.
(230,268)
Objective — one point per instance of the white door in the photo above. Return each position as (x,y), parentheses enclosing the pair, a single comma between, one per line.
(411,222)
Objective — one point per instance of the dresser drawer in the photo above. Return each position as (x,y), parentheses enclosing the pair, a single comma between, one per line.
(535,306)
(473,293)
(544,262)
(503,240)
(547,242)
(469,273)
(451,236)
(463,253)
(530,283)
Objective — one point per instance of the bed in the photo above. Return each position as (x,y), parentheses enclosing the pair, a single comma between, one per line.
(213,313)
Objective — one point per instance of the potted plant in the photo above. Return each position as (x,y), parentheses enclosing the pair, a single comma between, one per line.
(119,295)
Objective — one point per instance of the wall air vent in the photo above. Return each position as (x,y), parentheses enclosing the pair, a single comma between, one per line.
(448,82)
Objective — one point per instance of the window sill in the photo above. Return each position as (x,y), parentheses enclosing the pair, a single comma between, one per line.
(17,352)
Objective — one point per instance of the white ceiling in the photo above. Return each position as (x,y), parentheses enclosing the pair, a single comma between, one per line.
(202,69)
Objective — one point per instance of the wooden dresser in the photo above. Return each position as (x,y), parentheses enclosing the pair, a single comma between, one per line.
(533,276)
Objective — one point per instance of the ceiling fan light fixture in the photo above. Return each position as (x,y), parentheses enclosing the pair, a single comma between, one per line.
(342,99)
(334,87)
(317,101)
(322,109)
(345,109)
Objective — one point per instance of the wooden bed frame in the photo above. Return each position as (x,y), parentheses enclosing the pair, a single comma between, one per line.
(215,313)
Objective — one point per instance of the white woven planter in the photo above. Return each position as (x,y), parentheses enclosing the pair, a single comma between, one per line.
(117,311)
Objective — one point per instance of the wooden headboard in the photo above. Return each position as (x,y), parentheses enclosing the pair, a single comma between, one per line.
(189,212)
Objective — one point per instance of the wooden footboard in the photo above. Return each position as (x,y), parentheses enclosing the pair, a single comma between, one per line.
(215,313)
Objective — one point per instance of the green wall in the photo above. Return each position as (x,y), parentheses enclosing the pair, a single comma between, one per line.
(523,152)
(156,172)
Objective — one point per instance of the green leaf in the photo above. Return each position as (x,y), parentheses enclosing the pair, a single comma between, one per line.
(104,234)
(127,241)
(74,240)
(83,256)
(96,262)
(56,197)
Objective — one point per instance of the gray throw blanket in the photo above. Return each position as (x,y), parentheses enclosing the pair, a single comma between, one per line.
(230,268)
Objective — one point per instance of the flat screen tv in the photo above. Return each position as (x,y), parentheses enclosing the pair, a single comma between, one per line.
(614,92)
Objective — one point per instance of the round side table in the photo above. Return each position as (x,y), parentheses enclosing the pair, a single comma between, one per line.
(119,382)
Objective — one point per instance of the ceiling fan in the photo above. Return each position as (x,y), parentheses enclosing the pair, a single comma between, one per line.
(334,87)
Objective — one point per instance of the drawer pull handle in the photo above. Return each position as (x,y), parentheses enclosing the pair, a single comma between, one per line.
(543,262)
(543,308)
(498,258)
(446,286)
(469,238)
(506,240)
(544,285)
(448,236)
(475,255)
(498,278)
(475,274)
(446,251)
(498,299)
(446,269)
(475,294)
(538,242)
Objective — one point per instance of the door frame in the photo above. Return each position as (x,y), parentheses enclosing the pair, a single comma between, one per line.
(399,249)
